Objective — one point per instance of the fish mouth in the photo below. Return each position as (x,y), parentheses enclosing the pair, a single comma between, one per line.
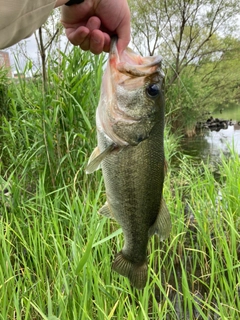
(127,75)
(132,64)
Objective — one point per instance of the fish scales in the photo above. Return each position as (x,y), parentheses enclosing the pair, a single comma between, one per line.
(130,188)
(130,152)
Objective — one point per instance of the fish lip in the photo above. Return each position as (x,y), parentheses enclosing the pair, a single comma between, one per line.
(135,69)
(113,46)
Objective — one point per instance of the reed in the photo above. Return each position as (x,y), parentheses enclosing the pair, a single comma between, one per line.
(56,252)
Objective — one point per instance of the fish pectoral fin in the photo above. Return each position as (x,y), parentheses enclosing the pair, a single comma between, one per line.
(162,225)
(136,272)
(97,157)
(106,211)
(95,154)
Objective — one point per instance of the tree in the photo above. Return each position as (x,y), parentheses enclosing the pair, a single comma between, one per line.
(188,34)
(48,38)
(182,30)
(220,79)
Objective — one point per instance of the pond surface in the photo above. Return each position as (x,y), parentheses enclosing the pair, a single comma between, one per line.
(209,144)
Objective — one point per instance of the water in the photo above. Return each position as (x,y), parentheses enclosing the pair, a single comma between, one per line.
(207,145)
(210,144)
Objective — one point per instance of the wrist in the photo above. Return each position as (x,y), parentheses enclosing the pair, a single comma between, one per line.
(72,2)
(60,3)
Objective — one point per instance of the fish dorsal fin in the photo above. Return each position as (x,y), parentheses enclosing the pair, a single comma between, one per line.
(97,157)
(162,225)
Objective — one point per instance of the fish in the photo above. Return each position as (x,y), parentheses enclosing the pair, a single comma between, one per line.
(130,152)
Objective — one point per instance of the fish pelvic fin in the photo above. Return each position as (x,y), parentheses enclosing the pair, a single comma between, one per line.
(96,158)
(162,225)
(137,273)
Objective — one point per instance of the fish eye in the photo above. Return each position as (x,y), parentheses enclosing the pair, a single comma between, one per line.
(153,90)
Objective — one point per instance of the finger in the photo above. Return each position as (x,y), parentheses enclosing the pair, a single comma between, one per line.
(93,23)
(94,44)
(123,32)
(99,42)
(96,41)
(122,44)
(85,45)
(77,36)
(107,42)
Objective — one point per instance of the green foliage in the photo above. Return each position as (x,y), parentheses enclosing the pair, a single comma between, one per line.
(206,217)
(199,43)
(181,102)
(52,132)
(219,78)
(203,87)
(3,90)
(46,254)
(56,252)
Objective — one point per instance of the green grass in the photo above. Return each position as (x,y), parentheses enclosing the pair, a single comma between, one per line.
(56,251)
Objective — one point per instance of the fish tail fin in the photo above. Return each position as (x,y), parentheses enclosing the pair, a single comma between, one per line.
(135,272)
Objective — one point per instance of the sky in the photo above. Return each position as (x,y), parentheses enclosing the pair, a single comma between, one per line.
(28,45)
(27,48)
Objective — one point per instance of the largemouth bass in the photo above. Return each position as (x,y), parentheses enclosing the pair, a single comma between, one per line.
(130,151)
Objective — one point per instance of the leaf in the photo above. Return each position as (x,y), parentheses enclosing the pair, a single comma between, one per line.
(112,235)
(86,254)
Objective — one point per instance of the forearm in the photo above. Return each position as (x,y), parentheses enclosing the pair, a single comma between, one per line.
(20,18)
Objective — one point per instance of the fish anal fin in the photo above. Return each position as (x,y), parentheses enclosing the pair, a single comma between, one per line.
(136,272)
(106,211)
(97,157)
(162,225)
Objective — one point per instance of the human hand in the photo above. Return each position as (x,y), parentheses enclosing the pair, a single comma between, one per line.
(92,23)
